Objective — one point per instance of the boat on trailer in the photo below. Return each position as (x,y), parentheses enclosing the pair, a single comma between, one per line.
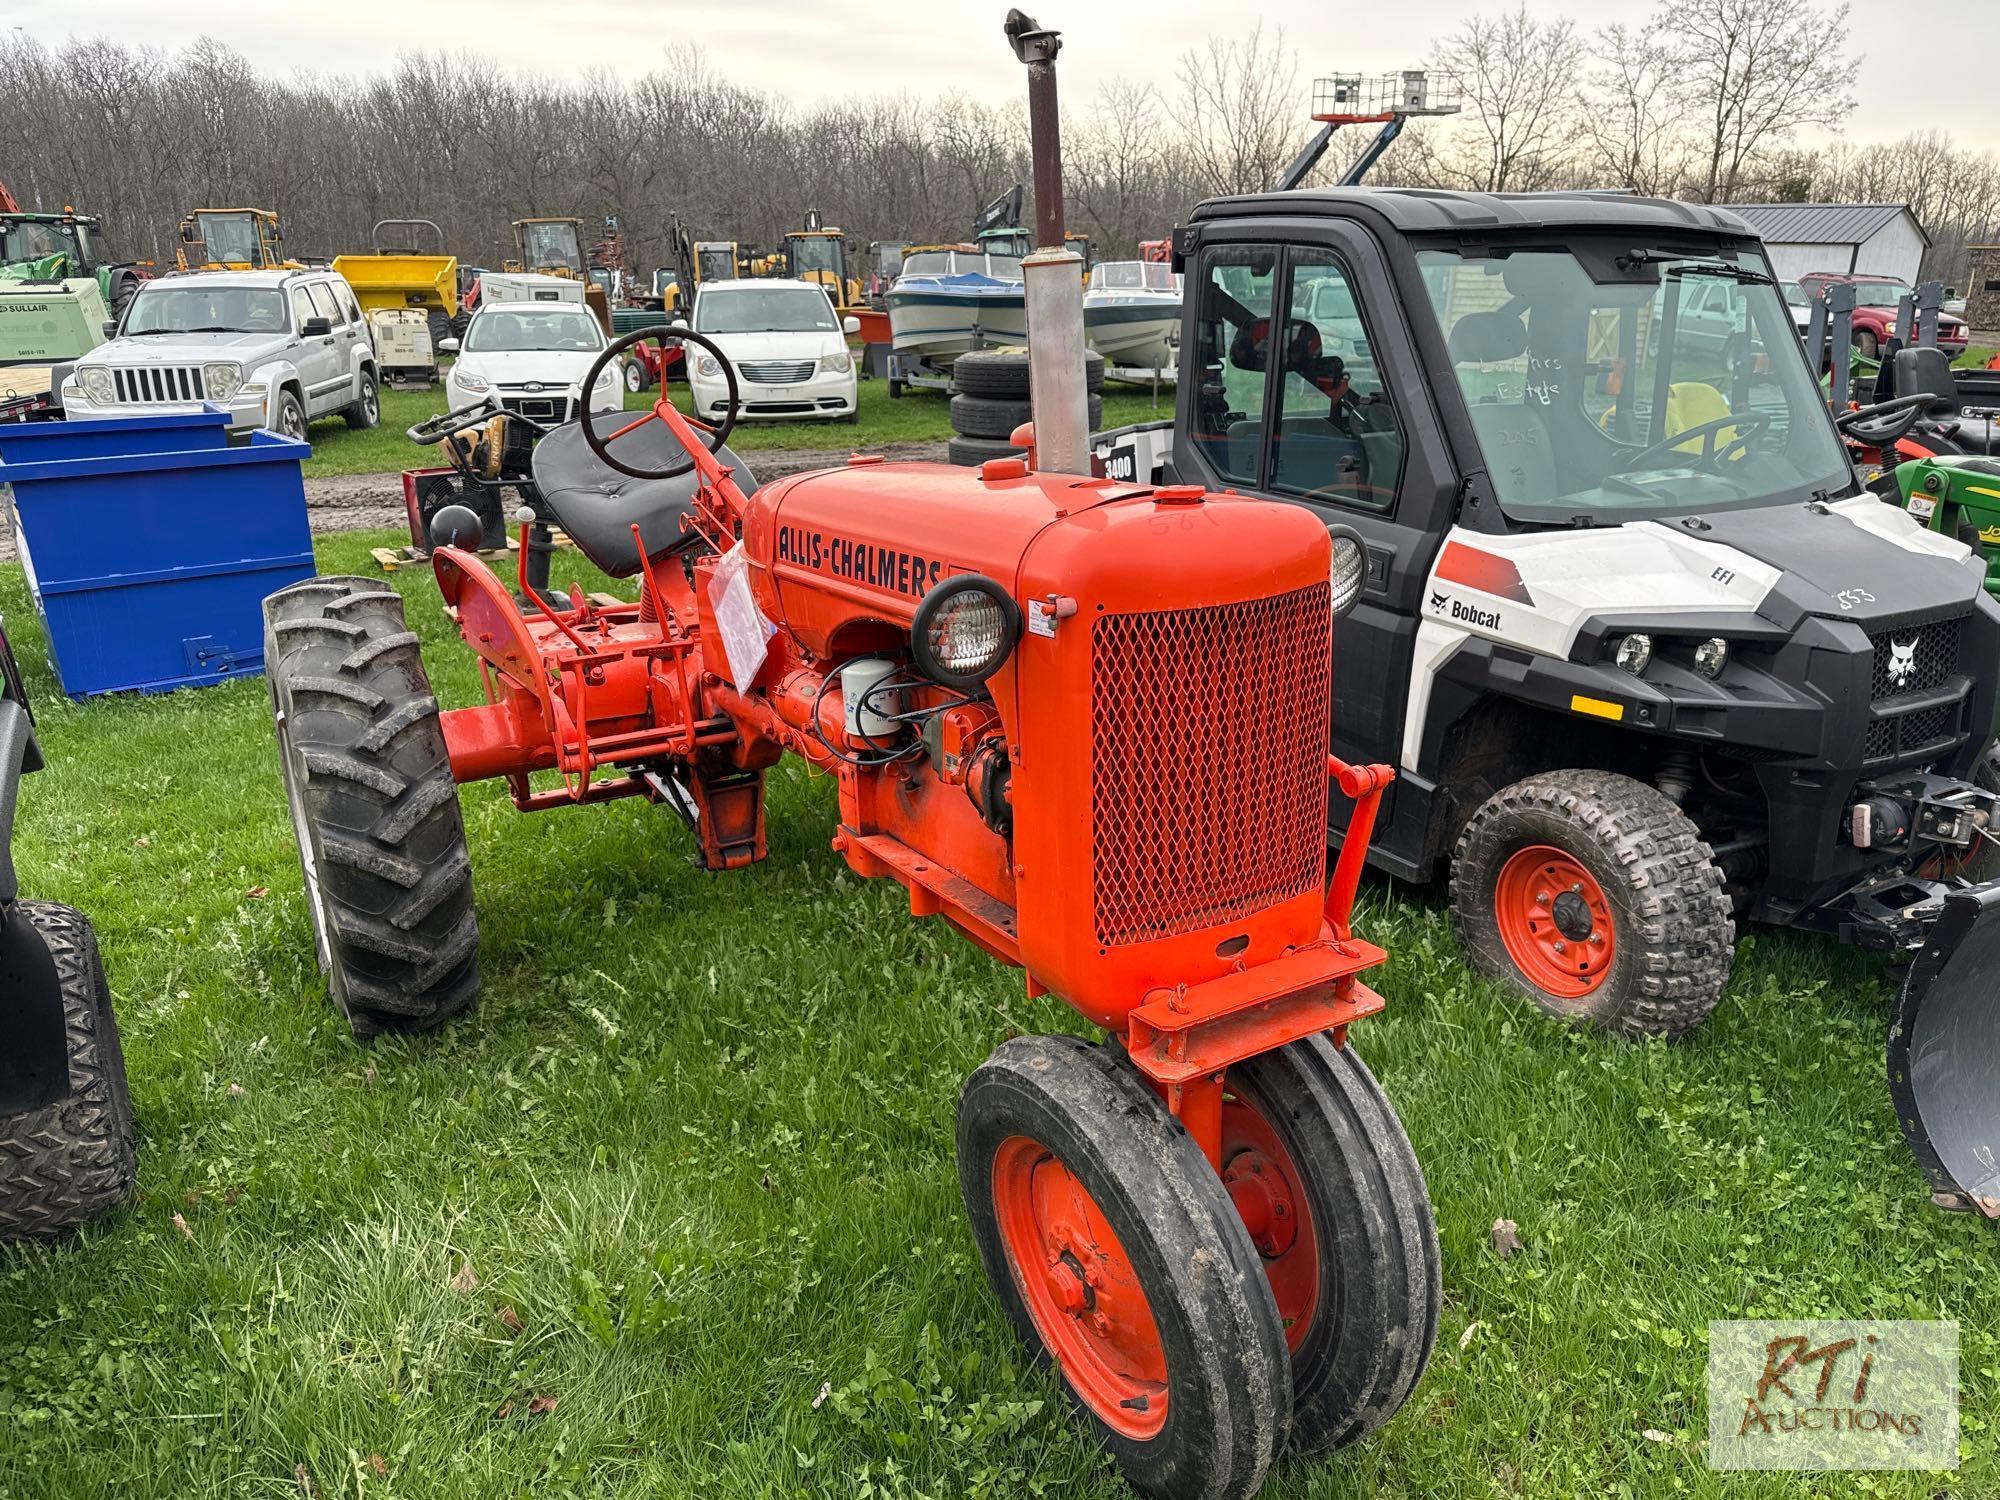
(1131,313)
(947,302)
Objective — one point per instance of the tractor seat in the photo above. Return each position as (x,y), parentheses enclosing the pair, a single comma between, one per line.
(598,507)
(1927,372)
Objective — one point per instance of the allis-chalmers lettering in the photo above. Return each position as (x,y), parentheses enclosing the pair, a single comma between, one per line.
(879,567)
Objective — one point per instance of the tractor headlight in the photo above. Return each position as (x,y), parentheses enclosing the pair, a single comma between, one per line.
(1634,653)
(1711,656)
(1349,572)
(705,365)
(964,630)
(837,364)
(97,384)
(470,380)
(219,382)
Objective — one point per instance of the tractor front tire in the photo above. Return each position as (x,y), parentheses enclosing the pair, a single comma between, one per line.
(1594,895)
(1117,1254)
(1318,1163)
(72,1160)
(381,839)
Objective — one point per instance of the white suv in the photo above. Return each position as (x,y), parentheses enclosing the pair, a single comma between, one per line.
(276,349)
(788,348)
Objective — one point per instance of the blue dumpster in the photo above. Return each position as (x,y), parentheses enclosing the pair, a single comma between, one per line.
(149,565)
(168,432)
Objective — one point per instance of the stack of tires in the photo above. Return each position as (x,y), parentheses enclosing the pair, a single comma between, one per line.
(989,399)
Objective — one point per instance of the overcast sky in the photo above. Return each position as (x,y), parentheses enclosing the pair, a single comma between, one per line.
(816,49)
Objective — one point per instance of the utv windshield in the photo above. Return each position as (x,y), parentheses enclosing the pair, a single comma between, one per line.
(1657,387)
(196,306)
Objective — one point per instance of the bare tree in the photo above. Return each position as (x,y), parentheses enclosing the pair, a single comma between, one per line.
(1519,75)
(1239,111)
(1631,112)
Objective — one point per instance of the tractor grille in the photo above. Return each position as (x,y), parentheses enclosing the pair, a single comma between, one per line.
(776,371)
(1921,659)
(1208,762)
(149,383)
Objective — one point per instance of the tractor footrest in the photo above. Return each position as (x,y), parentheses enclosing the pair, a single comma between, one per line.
(1186,1033)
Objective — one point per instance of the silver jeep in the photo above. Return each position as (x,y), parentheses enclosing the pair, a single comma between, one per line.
(275,349)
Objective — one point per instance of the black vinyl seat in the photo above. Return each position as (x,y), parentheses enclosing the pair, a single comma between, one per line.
(1927,371)
(598,507)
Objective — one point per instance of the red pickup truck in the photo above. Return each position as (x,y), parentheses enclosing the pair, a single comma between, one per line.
(1875,300)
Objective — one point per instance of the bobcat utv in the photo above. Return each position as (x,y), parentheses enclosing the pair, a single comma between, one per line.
(1647,656)
(65,1117)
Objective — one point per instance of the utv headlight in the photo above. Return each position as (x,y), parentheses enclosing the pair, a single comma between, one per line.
(1349,572)
(964,630)
(1711,656)
(837,364)
(97,384)
(1634,653)
(221,381)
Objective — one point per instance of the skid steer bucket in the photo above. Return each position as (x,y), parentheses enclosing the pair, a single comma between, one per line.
(1944,1054)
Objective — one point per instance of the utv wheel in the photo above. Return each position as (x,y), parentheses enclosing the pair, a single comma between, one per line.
(374,808)
(67,1163)
(1326,1182)
(1594,895)
(367,408)
(290,420)
(1114,1248)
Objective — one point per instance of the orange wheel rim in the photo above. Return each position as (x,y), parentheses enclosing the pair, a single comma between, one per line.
(1080,1288)
(1265,1185)
(1555,922)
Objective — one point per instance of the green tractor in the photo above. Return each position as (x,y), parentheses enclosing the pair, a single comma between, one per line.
(58,297)
(1957,494)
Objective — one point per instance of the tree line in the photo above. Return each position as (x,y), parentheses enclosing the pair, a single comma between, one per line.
(1707,102)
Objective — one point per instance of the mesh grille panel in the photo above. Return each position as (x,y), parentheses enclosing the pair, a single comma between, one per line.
(1916,660)
(1208,745)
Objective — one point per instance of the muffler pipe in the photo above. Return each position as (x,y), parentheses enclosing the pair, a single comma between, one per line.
(1052,276)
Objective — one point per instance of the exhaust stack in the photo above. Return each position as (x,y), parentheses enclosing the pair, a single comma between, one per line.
(1053,275)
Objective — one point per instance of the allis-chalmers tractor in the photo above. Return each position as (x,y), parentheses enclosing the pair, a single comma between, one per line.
(1081,721)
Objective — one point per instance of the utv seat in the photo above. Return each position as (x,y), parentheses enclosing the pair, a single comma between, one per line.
(1511,433)
(598,506)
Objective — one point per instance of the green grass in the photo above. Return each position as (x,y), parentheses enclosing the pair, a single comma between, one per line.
(919,416)
(696,1148)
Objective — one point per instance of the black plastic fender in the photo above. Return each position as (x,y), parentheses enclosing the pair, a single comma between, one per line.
(18,754)
(34,1050)
(1944,1053)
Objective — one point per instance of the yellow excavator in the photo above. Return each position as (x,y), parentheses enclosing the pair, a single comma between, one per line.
(233,239)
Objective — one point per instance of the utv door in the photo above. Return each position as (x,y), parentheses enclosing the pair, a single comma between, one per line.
(1300,383)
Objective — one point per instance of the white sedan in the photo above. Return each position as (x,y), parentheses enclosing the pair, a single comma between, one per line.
(531,357)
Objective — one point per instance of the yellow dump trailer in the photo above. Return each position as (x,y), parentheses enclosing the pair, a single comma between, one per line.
(396,277)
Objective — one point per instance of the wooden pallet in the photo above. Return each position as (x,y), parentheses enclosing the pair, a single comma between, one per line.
(389,559)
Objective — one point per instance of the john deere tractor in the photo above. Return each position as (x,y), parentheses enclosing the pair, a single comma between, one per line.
(57,293)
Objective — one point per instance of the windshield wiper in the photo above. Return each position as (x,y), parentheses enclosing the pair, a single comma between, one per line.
(1682,266)
(211,330)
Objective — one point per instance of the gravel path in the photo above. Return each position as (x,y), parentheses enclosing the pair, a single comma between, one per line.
(362,502)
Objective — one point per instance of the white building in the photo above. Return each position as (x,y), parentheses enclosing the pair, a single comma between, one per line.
(1869,239)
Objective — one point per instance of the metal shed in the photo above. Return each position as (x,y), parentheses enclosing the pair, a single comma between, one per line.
(1873,239)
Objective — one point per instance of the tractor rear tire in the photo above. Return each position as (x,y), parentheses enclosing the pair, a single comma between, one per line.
(438,323)
(366,411)
(1122,1263)
(1594,895)
(970,453)
(995,417)
(1353,1261)
(374,807)
(72,1160)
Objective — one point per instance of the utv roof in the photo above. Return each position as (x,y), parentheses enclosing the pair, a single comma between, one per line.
(1417,210)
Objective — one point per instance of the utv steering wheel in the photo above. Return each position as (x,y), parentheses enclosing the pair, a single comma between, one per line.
(714,436)
(1881,424)
(1749,425)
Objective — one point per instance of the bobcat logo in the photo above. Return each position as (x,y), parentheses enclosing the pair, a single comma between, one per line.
(1903,662)
(1437,603)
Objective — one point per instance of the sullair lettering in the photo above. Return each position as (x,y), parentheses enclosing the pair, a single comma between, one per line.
(888,568)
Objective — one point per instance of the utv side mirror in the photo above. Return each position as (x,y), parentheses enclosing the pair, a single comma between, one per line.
(447,345)
(314,328)
(850,325)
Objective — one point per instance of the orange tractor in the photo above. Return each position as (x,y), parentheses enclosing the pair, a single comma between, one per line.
(1080,721)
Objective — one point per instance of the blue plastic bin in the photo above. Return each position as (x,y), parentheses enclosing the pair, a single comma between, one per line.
(149,566)
(169,432)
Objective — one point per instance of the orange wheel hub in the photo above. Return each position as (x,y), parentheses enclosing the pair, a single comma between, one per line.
(1265,1185)
(1555,922)
(1080,1288)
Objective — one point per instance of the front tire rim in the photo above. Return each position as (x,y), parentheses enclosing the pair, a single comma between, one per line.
(1080,1289)
(633,382)
(293,420)
(1266,1186)
(308,861)
(1555,922)
(371,405)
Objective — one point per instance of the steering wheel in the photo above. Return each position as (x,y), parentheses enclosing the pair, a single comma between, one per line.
(716,436)
(434,430)
(1880,425)
(1749,425)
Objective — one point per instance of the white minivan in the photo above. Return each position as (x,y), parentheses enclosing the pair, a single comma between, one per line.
(787,346)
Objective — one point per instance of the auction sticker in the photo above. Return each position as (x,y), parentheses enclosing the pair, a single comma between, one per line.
(1817,1394)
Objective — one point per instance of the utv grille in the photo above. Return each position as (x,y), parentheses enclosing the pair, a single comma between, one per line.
(146,384)
(1909,734)
(775,371)
(1208,762)
(1921,659)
